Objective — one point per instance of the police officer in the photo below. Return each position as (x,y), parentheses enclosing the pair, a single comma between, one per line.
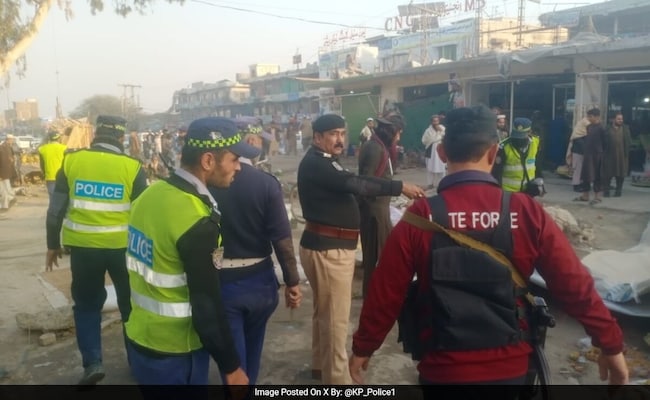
(51,159)
(92,199)
(516,165)
(470,194)
(254,223)
(178,319)
(327,247)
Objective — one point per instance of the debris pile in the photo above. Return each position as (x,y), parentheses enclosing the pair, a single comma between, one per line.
(52,323)
(577,233)
(637,361)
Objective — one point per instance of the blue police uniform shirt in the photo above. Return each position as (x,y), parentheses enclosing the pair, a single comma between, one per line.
(253,214)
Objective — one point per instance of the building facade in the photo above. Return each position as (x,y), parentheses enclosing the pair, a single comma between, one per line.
(222,99)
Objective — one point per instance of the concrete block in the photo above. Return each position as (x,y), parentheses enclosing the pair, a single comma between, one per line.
(47,339)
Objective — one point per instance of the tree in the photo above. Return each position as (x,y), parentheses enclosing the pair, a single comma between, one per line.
(100,104)
(18,31)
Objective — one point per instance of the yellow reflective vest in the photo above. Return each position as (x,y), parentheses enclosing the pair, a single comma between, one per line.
(100,185)
(161,316)
(52,156)
(514,178)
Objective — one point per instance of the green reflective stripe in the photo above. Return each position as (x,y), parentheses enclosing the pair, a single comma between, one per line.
(171,310)
(513,168)
(154,278)
(93,228)
(97,206)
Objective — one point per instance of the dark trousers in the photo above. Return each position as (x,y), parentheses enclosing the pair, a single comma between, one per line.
(249,303)
(182,369)
(619,184)
(89,267)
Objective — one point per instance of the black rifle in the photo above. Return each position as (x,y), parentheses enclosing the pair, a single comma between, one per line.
(539,376)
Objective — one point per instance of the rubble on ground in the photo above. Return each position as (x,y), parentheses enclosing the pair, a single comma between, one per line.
(47,339)
(47,321)
(637,361)
(576,232)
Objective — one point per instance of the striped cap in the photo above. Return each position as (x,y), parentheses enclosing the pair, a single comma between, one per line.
(216,133)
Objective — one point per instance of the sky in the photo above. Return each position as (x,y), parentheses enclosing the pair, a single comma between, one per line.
(173,45)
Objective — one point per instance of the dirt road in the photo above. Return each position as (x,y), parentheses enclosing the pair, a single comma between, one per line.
(24,287)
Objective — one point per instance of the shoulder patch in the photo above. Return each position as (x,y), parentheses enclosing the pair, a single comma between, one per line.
(337,166)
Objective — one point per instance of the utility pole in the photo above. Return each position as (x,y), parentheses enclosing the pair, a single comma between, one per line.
(423,26)
(520,23)
(478,32)
(130,101)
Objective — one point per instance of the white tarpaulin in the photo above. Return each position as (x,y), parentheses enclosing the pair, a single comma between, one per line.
(622,278)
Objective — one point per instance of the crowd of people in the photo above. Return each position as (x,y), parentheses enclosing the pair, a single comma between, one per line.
(186,226)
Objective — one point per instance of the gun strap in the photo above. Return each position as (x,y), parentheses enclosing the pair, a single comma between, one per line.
(467,241)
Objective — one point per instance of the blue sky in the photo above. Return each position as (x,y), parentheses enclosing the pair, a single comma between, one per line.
(173,45)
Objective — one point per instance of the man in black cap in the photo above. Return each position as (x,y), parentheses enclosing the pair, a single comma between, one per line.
(174,257)
(470,323)
(517,165)
(91,201)
(327,248)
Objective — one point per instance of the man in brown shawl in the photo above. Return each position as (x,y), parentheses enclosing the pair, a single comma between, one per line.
(616,155)
(592,164)
(374,160)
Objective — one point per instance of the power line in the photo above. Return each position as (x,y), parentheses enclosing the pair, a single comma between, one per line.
(291,8)
(268,14)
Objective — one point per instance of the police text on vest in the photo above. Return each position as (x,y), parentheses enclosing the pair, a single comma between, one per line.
(140,247)
(98,190)
(480,220)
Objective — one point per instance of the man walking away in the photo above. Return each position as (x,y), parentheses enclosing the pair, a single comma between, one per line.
(51,158)
(254,223)
(92,199)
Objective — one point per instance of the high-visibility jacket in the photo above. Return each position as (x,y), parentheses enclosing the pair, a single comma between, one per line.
(514,176)
(161,316)
(100,198)
(52,156)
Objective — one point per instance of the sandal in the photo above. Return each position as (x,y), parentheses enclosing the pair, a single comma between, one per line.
(595,201)
(580,198)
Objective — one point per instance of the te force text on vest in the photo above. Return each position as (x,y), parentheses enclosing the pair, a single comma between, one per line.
(480,219)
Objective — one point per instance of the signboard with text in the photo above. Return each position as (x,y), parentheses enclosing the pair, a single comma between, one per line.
(408,12)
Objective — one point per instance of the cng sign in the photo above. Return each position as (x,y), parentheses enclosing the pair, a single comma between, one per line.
(439,9)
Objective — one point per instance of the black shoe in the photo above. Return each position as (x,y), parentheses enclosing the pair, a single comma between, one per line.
(617,193)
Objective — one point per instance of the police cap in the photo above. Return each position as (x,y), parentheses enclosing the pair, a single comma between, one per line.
(110,125)
(520,128)
(215,133)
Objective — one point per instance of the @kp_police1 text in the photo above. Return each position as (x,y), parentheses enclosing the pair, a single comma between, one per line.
(354,392)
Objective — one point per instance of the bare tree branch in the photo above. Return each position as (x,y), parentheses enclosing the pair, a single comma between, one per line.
(18,50)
